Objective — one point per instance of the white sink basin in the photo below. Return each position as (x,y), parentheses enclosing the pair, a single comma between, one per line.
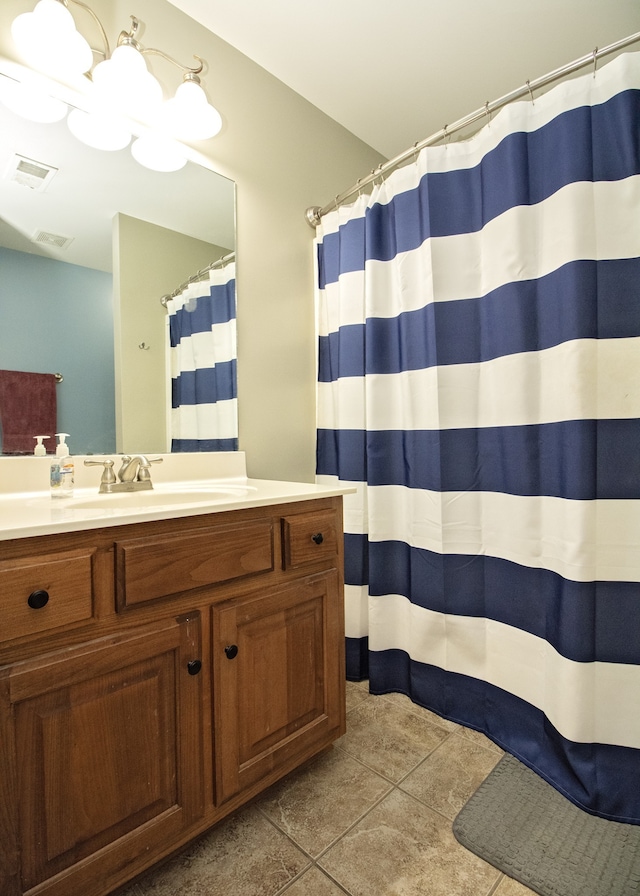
(162,497)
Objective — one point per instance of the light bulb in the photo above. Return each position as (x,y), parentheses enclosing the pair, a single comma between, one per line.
(98,130)
(123,82)
(158,153)
(189,116)
(48,41)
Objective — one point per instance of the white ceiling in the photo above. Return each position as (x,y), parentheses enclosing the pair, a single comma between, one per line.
(395,73)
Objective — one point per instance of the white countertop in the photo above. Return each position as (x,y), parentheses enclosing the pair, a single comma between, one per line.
(184,485)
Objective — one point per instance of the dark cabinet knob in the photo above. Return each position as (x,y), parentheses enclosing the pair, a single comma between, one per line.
(318,538)
(38,599)
(194,666)
(231,650)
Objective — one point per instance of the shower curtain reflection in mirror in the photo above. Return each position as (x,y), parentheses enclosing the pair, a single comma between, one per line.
(202,337)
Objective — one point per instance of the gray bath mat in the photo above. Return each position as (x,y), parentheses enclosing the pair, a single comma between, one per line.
(521,825)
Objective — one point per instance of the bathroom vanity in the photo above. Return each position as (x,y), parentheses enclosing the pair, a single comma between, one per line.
(161,663)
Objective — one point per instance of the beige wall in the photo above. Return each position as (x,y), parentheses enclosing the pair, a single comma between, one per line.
(284,155)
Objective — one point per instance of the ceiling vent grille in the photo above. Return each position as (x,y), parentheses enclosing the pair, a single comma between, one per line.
(29,173)
(52,239)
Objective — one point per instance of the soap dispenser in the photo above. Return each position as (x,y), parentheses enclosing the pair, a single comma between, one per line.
(39,449)
(62,470)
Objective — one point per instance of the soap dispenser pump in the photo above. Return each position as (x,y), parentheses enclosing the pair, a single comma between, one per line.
(39,449)
(62,470)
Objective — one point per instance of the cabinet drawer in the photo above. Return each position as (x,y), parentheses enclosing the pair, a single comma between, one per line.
(151,568)
(307,537)
(42,593)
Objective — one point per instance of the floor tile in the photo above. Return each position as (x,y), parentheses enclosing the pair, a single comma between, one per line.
(317,804)
(388,738)
(451,774)
(404,702)
(314,883)
(245,855)
(356,694)
(403,848)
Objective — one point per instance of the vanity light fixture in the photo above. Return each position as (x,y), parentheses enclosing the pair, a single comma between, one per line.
(119,88)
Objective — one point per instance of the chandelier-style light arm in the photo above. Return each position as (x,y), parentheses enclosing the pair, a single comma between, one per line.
(130,38)
(193,70)
(103,34)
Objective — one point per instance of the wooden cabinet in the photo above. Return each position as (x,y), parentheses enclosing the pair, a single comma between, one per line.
(276,694)
(104,740)
(175,669)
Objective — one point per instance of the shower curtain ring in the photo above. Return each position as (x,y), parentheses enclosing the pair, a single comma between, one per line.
(533,102)
(487,111)
(446,135)
(595,61)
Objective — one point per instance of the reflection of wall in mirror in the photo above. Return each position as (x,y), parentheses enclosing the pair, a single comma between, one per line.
(58,318)
(149,262)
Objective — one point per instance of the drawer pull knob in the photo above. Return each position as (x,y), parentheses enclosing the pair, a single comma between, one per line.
(194,666)
(38,599)
(232,651)
(318,538)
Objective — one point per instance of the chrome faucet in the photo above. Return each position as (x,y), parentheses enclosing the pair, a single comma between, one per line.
(134,474)
(134,469)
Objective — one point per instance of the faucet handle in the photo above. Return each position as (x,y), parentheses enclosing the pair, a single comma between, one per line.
(143,469)
(108,476)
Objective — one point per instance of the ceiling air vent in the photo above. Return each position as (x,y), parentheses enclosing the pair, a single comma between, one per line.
(29,173)
(52,239)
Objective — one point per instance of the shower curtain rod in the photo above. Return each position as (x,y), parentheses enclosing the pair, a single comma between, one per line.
(219,263)
(314,214)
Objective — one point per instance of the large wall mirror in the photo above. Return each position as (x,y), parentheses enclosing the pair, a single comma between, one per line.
(85,259)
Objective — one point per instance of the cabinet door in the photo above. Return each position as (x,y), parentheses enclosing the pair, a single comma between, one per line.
(107,755)
(279,680)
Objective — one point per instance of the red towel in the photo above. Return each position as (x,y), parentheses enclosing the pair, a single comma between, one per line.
(27,409)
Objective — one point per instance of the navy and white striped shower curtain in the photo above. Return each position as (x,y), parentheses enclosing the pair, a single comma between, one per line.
(204,392)
(479,384)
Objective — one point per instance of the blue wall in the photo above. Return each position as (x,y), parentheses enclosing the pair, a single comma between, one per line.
(58,318)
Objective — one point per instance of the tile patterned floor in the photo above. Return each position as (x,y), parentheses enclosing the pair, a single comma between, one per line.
(370,818)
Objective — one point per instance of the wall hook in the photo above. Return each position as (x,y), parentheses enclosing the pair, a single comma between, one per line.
(144,346)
